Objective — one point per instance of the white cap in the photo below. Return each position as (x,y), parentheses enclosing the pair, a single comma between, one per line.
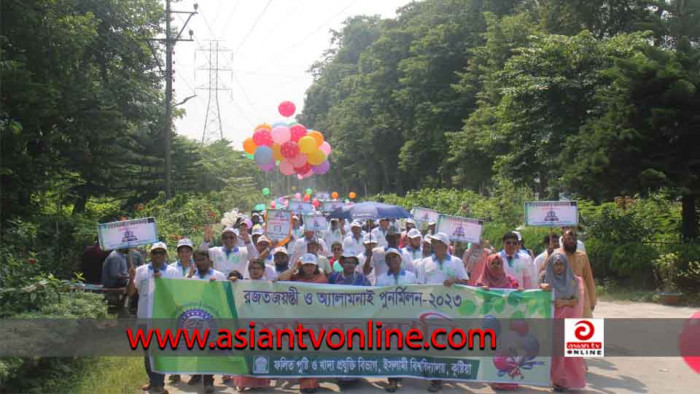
(355,223)
(348,254)
(426,238)
(184,242)
(442,237)
(229,230)
(409,220)
(279,249)
(258,230)
(414,233)
(520,236)
(295,217)
(159,245)
(393,251)
(369,239)
(431,223)
(264,238)
(309,259)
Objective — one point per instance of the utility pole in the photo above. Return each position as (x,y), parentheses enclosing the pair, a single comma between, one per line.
(170,42)
(213,130)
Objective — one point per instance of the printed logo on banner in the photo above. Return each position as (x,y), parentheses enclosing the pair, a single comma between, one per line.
(261,365)
(584,338)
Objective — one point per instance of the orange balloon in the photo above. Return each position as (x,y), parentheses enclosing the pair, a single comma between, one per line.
(352,195)
(334,195)
(277,151)
(249,146)
(317,136)
(263,126)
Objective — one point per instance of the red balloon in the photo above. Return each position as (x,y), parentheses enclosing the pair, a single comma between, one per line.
(289,149)
(316,203)
(307,198)
(287,108)
(298,131)
(262,137)
(303,169)
(688,342)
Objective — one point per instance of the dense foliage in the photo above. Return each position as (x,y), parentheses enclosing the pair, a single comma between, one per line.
(597,99)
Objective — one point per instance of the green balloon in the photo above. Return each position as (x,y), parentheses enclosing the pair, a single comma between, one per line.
(248,155)
(265,191)
(309,191)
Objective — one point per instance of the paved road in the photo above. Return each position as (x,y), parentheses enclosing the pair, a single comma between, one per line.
(608,375)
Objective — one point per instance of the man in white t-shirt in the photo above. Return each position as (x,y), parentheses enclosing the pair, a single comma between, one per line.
(141,281)
(184,262)
(551,243)
(301,246)
(375,266)
(380,232)
(441,267)
(413,246)
(229,257)
(395,275)
(353,243)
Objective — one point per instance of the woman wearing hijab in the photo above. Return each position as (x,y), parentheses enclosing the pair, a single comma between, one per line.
(474,260)
(494,276)
(567,372)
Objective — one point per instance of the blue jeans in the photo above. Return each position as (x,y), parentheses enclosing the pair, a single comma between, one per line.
(154,378)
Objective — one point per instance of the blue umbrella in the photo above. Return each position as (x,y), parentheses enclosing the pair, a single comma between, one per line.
(370,210)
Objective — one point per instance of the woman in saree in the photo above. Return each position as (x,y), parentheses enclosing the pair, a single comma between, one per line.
(568,373)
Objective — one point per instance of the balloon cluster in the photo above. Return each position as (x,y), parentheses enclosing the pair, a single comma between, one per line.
(517,347)
(289,145)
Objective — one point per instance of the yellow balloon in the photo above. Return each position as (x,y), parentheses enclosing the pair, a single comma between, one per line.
(307,144)
(316,157)
(263,126)
(249,146)
(276,151)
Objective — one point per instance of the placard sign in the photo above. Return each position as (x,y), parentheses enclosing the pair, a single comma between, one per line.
(551,213)
(127,233)
(331,205)
(322,195)
(298,206)
(425,215)
(315,222)
(460,229)
(279,224)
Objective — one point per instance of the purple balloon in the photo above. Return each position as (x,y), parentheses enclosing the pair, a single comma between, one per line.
(268,167)
(321,168)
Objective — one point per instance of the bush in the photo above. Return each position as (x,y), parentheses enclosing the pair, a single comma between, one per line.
(599,254)
(634,261)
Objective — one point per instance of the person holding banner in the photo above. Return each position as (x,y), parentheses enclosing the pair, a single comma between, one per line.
(395,275)
(185,262)
(305,270)
(568,373)
(349,274)
(229,257)
(376,265)
(141,283)
(518,265)
(263,247)
(281,259)
(313,246)
(337,252)
(582,268)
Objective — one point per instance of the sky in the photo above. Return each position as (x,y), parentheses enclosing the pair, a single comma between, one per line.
(268,45)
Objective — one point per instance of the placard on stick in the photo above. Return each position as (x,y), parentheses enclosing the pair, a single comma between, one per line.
(331,205)
(127,233)
(298,206)
(460,229)
(279,225)
(315,223)
(551,213)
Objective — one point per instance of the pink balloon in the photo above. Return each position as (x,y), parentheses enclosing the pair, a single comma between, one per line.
(268,167)
(286,167)
(297,196)
(309,174)
(299,160)
(287,108)
(325,148)
(300,177)
(289,149)
(688,342)
(297,131)
(281,134)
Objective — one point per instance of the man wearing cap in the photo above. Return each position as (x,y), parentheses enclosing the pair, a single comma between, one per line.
(432,228)
(252,247)
(353,243)
(395,275)
(380,232)
(229,257)
(426,246)
(516,264)
(413,246)
(281,261)
(313,247)
(185,261)
(141,282)
(349,275)
(297,229)
(300,246)
(369,243)
(263,250)
(410,224)
(377,264)
(334,233)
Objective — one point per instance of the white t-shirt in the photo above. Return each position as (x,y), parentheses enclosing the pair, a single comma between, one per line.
(522,268)
(236,260)
(353,245)
(540,260)
(212,273)
(431,271)
(145,285)
(380,235)
(414,256)
(379,266)
(404,278)
(300,249)
(183,271)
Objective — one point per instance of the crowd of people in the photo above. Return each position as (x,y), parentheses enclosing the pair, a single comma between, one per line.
(362,254)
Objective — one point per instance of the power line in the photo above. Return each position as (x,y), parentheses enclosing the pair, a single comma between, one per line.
(253,26)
